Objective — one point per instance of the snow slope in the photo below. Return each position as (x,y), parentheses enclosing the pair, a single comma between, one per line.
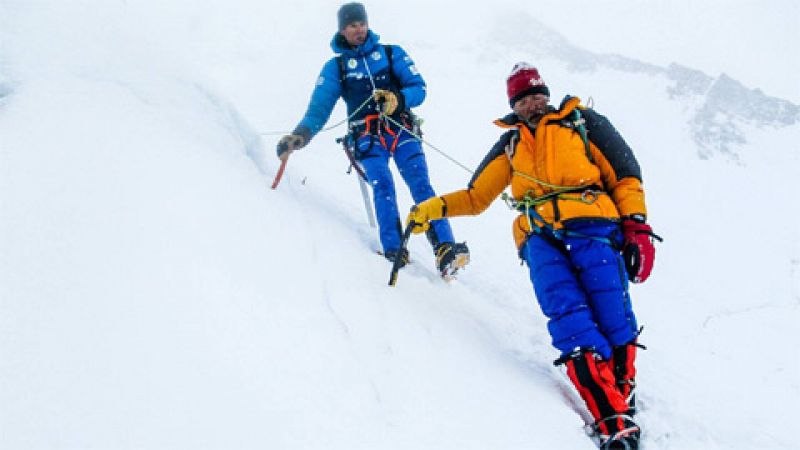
(155,293)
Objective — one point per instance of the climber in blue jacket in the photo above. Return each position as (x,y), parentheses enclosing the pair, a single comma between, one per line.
(380,84)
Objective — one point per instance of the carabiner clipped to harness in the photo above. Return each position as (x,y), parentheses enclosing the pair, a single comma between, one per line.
(589,196)
(524,206)
(527,206)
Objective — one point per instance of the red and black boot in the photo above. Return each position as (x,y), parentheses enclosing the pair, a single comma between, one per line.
(594,378)
(623,360)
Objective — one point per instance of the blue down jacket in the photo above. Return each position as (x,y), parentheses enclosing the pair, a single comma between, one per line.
(365,68)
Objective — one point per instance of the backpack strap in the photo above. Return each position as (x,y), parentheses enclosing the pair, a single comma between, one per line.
(511,147)
(340,61)
(392,78)
(576,121)
(579,125)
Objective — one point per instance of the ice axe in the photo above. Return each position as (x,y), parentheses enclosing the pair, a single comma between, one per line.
(398,259)
(350,157)
(283,148)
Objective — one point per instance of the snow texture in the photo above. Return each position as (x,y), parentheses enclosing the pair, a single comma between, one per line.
(156,294)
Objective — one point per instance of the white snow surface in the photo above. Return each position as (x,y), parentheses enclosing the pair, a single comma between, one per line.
(155,293)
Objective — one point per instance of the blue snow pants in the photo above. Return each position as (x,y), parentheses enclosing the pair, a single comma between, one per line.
(410,161)
(582,287)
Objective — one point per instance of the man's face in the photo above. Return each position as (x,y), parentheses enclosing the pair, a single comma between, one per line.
(532,107)
(355,33)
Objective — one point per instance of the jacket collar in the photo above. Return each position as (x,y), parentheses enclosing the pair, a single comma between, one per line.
(512,120)
(339,45)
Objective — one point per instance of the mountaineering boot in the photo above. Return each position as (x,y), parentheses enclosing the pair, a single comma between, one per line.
(595,381)
(623,358)
(392,254)
(450,257)
(626,436)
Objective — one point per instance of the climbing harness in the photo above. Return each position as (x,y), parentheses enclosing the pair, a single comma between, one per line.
(412,125)
(527,206)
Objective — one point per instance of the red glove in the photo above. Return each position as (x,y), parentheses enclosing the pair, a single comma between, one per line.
(638,251)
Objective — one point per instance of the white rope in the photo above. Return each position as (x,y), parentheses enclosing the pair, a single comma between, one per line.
(348,118)
(419,138)
(337,124)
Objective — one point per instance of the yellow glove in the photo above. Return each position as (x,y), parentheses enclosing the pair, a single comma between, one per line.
(420,215)
(388,98)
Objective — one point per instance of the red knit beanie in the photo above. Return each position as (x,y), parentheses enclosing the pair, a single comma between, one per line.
(524,80)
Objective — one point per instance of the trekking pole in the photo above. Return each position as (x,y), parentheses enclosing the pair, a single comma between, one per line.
(398,259)
(362,182)
(280,172)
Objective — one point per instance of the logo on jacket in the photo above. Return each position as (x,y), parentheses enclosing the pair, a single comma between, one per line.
(352,63)
(376,56)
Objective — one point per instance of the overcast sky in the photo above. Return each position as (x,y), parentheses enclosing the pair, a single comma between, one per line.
(753,41)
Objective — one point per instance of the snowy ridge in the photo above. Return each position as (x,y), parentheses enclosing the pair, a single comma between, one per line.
(717,125)
(723,107)
(155,293)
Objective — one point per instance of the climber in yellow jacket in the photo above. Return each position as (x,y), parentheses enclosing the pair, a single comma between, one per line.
(582,231)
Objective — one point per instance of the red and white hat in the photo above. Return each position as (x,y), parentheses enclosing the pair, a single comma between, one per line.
(524,80)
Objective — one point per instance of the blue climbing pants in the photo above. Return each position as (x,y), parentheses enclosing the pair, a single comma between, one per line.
(374,154)
(582,287)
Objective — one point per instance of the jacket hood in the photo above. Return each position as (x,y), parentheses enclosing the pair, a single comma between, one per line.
(339,45)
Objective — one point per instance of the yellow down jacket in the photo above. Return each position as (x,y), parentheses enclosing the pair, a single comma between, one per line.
(552,166)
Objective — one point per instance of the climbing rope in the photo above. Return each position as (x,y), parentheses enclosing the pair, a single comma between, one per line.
(336,125)
(419,138)
(383,116)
